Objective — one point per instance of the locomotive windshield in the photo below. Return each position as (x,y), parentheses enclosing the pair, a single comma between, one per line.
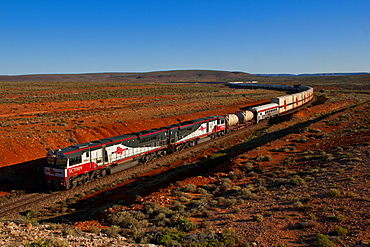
(57,162)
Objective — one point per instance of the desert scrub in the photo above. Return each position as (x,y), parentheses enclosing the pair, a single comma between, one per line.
(334,193)
(297,180)
(125,219)
(265,158)
(340,231)
(301,139)
(49,242)
(351,194)
(185,224)
(211,188)
(339,218)
(248,166)
(227,201)
(317,157)
(225,186)
(235,190)
(112,231)
(284,149)
(323,241)
(258,217)
(190,188)
(298,205)
(177,193)
(93,229)
(307,224)
(177,206)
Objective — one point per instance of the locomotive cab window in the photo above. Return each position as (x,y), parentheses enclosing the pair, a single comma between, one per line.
(61,162)
(74,161)
(50,160)
(57,162)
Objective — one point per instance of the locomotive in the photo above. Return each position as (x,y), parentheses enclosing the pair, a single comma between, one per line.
(78,164)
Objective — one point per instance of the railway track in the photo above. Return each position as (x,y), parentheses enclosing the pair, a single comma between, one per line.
(21,203)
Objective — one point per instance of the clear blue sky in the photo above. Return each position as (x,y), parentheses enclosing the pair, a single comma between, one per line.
(254,36)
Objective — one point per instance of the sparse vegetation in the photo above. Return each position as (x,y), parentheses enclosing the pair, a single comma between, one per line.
(340,231)
(278,184)
(323,241)
(334,192)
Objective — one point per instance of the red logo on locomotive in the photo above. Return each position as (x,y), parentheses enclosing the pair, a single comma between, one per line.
(52,171)
(119,150)
(202,128)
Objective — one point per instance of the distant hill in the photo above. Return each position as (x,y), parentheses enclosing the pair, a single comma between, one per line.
(158,76)
(318,74)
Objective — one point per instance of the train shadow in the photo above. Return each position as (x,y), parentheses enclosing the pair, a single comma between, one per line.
(27,176)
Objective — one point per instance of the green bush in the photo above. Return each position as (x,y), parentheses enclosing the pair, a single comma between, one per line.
(170,237)
(225,186)
(229,238)
(57,242)
(263,158)
(334,193)
(183,199)
(340,231)
(258,217)
(296,180)
(125,219)
(338,217)
(210,187)
(93,229)
(112,231)
(178,207)
(323,241)
(248,194)
(37,243)
(248,166)
(298,205)
(185,224)
(165,240)
(30,214)
(190,188)
(202,191)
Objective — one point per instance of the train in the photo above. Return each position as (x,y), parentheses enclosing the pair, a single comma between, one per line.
(68,167)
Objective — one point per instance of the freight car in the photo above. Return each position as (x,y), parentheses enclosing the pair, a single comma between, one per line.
(78,164)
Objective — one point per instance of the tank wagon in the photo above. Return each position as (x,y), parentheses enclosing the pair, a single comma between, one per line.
(78,164)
